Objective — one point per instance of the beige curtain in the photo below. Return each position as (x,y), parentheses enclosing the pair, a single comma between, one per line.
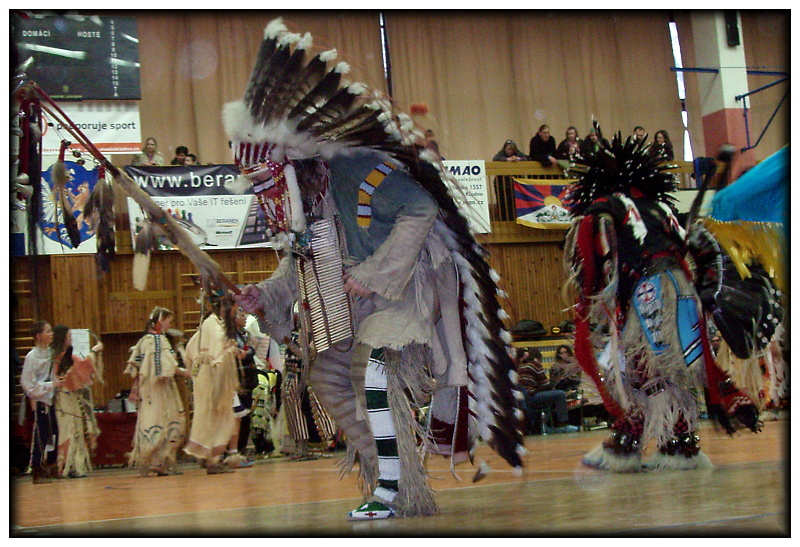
(191,65)
(489,78)
(765,36)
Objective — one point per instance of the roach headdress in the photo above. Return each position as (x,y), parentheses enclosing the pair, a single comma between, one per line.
(626,168)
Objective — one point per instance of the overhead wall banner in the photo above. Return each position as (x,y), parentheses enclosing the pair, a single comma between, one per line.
(541,205)
(113,127)
(197,199)
(471,177)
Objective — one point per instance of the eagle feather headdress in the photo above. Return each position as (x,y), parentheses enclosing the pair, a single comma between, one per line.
(298,105)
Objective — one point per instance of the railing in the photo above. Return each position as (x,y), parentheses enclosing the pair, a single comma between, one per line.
(500,184)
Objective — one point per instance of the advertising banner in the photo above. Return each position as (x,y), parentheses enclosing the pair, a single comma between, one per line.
(113,127)
(196,197)
(540,204)
(471,177)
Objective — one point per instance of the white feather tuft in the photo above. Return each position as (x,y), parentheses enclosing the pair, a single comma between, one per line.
(274,28)
(517,471)
(239,185)
(501,293)
(518,414)
(329,55)
(288,39)
(521,451)
(342,68)
(502,315)
(518,395)
(513,376)
(494,275)
(506,336)
(429,156)
(306,41)
(356,88)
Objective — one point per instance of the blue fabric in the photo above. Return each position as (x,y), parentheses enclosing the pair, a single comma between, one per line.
(689,330)
(757,196)
(398,195)
(647,301)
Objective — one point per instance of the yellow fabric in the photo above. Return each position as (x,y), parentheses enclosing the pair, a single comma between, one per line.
(161,419)
(748,241)
(212,358)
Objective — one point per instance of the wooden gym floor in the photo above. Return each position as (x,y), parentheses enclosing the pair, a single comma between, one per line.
(745,494)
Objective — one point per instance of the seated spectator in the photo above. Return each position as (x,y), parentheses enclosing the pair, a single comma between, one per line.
(662,146)
(509,152)
(565,374)
(180,155)
(539,394)
(639,134)
(591,145)
(543,147)
(190,159)
(570,146)
(149,154)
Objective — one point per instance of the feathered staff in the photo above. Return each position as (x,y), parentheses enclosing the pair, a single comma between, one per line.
(60,179)
(103,202)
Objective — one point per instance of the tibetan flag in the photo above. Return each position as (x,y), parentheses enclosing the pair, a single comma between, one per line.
(541,205)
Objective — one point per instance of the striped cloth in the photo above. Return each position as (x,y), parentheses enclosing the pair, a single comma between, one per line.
(367,188)
(382,423)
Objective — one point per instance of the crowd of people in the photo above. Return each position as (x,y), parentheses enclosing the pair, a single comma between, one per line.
(543,148)
(151,156)
(239,379)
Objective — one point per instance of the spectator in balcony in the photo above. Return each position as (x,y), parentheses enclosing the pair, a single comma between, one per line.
(149,154)
(662,146)
(570,146)
(591,145)
(509,152)
(190,159)
(543,147)
(639,133)
(180,155)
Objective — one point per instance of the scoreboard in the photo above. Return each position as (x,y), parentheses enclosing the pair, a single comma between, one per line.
(79,57)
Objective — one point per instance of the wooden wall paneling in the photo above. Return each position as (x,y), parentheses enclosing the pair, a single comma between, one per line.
(115,355)
(531,275)
(75,291)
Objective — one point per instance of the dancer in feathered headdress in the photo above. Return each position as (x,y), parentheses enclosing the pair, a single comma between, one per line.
(396,296)
(640,325)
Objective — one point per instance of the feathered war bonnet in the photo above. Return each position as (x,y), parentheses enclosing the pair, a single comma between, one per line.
(625,168)
(298,105)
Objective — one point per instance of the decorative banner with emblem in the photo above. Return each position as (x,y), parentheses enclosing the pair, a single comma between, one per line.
(541,204)
(50,229)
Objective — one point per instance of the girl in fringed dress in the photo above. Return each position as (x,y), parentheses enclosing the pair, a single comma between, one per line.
(161,420)
(77,426)
(211,354)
